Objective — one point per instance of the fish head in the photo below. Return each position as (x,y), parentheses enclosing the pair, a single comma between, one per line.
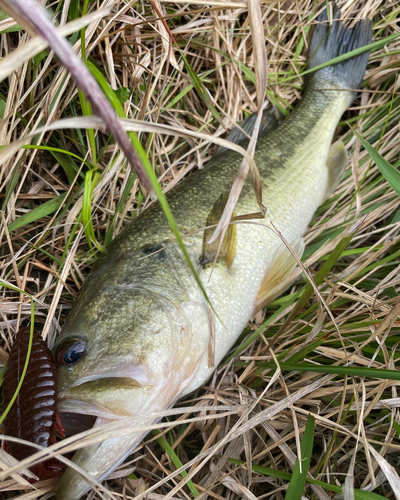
(125,349)
(130,347)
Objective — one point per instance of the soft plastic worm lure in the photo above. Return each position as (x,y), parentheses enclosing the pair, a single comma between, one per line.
(33,416)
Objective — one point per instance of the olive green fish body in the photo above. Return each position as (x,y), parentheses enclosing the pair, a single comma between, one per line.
(148,334)
(144,269)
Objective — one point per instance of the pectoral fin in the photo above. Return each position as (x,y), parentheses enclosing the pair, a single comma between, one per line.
(279,275)
(336,164)
(228,247)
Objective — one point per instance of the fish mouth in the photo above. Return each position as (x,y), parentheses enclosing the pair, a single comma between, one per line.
(78,415)
(108,380)
(75,423)
(105,397)
(135,373)
(68,406)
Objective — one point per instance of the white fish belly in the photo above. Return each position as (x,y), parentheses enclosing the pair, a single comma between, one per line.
(291,202)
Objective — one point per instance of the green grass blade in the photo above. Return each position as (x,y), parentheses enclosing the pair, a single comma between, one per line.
(2,108)
(39,57)
(90,133)
(388,171)
(3,17)
(366,495)
(118,209)
(299,476)
(11,184)
(3,370)
(352,371)
(321,274)
(28,354)
(343,57)
(278,474)
(38,213)
(175,460)
(177,98)
(73,12)
(201,90)
(91,179)
(63,157)
(274,100)
(307,349)
(111,94)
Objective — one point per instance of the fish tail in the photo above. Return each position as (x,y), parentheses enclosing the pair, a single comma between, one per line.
(332,39)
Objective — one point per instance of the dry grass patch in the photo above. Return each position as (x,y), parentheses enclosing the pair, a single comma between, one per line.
(65,196)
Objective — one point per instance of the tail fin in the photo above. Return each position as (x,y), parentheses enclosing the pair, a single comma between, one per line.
(333,40)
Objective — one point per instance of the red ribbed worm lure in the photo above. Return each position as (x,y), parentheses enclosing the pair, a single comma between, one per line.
(33,416)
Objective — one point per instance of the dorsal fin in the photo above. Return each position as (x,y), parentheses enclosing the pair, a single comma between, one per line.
(271,118)
(228,248)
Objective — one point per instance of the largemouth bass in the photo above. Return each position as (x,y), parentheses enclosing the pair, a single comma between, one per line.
(137,339)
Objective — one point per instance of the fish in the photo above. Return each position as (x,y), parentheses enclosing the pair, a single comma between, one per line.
(141,334)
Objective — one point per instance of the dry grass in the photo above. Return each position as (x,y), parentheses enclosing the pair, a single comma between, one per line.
(261,419)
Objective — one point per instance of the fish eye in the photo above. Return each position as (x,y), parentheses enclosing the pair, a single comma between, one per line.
(71,350)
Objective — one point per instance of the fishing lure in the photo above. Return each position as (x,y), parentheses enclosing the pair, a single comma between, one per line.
(33,416)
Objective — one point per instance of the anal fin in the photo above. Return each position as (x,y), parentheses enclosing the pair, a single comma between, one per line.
(227,250)
(279,275)
(336,165)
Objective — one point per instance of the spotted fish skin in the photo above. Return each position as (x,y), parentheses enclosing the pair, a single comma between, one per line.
(143,322)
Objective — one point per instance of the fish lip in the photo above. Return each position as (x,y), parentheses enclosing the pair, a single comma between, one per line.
(137,376)
(92,378)
(70,405)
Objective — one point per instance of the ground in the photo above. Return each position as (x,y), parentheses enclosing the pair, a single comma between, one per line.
(333,400)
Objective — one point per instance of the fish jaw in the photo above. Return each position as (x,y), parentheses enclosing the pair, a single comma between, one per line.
(113,399)
(98,461)
(135,370)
